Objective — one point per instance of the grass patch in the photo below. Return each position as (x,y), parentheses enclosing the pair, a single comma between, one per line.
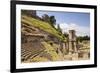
(50,50)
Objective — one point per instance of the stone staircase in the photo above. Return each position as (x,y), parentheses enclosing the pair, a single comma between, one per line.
(30,50)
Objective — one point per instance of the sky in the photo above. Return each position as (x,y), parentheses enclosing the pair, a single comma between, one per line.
(80,22)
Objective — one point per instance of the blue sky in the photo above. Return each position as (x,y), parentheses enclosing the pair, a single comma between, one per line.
(71,20)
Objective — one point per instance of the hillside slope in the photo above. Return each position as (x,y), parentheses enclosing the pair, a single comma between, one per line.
(34,46)
(42,25)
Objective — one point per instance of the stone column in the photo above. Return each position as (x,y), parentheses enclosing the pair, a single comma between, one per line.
(72,41)
(64,48)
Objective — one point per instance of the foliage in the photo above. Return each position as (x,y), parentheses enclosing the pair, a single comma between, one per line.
(50,19)
(46,18)
(65,34)
(59,29)
(82,38)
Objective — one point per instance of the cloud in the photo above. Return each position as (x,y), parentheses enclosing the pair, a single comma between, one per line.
(80,30)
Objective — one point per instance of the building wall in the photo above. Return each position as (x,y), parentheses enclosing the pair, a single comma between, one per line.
(31,13)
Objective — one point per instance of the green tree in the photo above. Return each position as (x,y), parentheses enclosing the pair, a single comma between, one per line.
(52,21)
(82,38)
(59,29)
(65,34)
(46,18)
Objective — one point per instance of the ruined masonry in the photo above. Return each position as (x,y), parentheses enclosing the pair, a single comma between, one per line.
(72,41)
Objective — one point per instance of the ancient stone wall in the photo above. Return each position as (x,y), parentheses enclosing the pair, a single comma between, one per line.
(31,13)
